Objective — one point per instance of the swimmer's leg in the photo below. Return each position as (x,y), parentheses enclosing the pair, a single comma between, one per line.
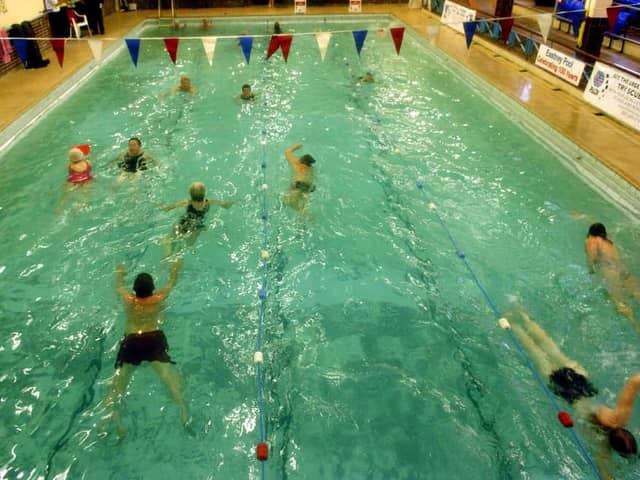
(171,378)
(545,342)
(115,397)
(539,356)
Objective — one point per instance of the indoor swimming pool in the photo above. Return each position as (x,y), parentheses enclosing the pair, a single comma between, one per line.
(383,359)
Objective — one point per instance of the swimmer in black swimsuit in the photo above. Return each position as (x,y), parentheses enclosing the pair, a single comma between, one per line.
(144,341)
(134,159)
(192,221)
(302,182)
(568,379)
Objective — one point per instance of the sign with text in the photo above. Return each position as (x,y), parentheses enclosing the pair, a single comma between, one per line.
(561,65)
(454,15)
(300,7)
(616,93)
(355,6)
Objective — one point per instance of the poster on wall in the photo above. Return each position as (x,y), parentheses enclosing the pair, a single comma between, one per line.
(300,7)
(454,15)
(616,93)
(355,6)
(561,65)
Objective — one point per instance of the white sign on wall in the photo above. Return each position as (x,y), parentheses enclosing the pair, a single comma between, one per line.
(300,7)
(454,15)
(561,65)
(616,93)
(355,6)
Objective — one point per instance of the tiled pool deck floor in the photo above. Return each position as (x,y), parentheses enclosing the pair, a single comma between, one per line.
(552,100)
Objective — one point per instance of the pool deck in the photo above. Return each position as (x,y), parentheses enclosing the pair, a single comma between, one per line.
(555,102)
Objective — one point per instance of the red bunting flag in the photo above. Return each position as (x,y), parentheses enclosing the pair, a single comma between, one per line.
(274,44)
(397,34)
(172,47)
(285,45)
(58,46)
(612,16)
(506,24)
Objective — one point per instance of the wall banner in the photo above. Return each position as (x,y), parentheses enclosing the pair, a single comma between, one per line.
(561,65)
(454,15)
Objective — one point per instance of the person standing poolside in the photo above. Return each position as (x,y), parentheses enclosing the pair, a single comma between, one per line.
(192,221)
(184,86)
(602,257)
(568,380)
(144,341)
(134,159)
(302,179)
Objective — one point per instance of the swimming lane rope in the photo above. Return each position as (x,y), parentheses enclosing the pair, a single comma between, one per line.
(262,449)
(563,416)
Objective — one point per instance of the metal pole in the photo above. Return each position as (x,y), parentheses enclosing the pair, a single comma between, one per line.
(159,7)
(173,11)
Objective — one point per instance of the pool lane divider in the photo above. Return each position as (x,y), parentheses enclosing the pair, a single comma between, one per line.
(262,448)
(563,417)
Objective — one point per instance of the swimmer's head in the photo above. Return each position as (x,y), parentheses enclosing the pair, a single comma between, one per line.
(197,191)
(185,82)
(205,23)
(622,441)
(75,155)
(135,145)
(307,159)
(598,230)
(276,28)
(143,285)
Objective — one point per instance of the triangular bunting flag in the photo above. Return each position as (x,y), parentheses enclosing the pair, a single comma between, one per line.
(133,44)
(246,43)
(274,44)
(612,16)
(209,44)
(544,22)
(432,32)
(397,34)
(21,50)
(172,47)
(469,30)
(576,21)
(58,46)
(96,49)
(359,36)
(322,39)
(285,45)
(506,24)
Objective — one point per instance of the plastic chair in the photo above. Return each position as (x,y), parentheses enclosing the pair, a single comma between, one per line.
(76,22)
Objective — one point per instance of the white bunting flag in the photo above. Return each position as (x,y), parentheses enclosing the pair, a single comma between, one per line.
(432,32)
(544,22)
(209,44)
(96,49)
(323,39)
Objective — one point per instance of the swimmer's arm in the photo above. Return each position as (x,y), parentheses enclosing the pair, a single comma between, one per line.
(182,203)
(173,278)
(591,249)
(120,288)
(619,416)
(220,203)
(291,158)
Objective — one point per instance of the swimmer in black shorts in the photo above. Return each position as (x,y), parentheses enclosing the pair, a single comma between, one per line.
(302,182)
(144,341)
(568,379)
(192,221)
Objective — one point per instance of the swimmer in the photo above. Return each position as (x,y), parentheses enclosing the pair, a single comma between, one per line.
(205,24)
(185,86)
(192,221)
(367,78)
(302,180)
(602,257)
(134,159)
(277,30)
(144,341)
(246,94)
(568,380)
(79,173)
